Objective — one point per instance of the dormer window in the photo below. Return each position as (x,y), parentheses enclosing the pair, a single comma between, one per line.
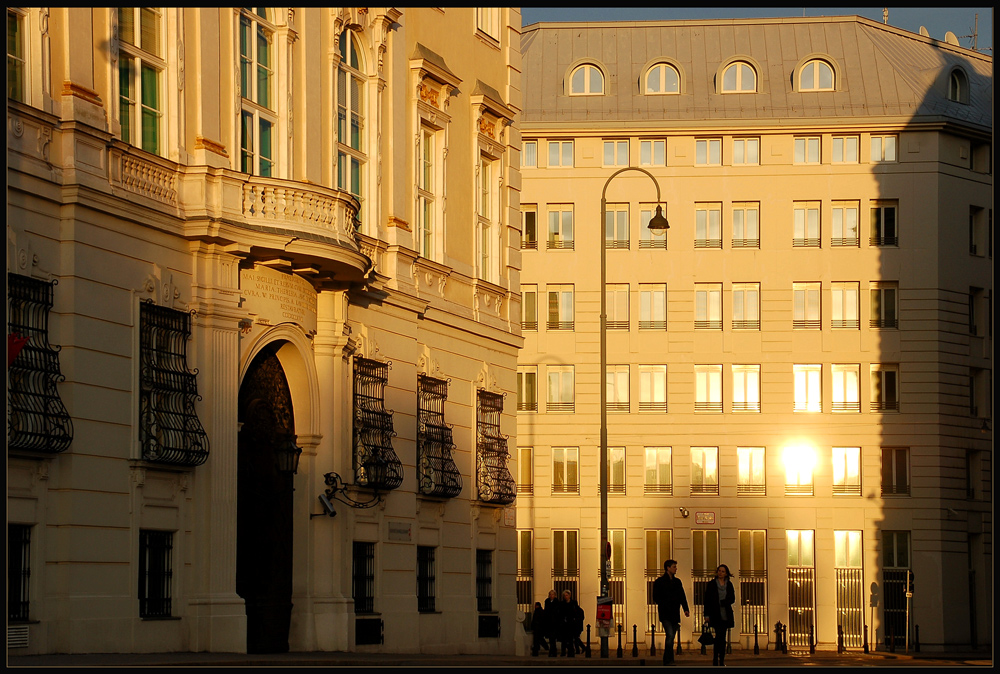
(586,80)
(816,75)
(958,86)
(662,79)
(739,77)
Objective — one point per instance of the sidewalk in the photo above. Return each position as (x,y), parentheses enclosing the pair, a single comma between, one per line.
(692,658)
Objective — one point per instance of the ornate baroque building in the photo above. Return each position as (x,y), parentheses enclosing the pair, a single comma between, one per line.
(799,373)
(265,261)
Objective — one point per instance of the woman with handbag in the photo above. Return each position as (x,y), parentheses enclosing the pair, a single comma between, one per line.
(719,599)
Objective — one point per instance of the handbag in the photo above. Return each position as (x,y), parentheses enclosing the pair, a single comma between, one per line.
(706,638)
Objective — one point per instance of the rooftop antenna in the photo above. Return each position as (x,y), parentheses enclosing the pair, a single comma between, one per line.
(974,35)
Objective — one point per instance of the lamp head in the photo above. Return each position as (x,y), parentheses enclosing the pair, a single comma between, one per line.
(658,224)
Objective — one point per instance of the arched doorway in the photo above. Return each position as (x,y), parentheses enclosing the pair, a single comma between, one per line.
(264,504)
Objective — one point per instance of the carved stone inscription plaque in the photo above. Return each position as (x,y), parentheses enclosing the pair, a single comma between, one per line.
(273,297)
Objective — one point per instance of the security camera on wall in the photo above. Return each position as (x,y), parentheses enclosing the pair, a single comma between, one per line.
(327,506)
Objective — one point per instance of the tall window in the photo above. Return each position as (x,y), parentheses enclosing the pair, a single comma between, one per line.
(847,471)
(708,388)
(140,72)
(806,306)
(437,473)
(806,225)
(425,579)
(565,561)
(708,152)
(896,560)
(525,472)
(884,226)
(616,153)
(561,395)
(488,241)
(653,153)
(807,150)
(427,198)
(659,549)
(800,548)
(18,571)
(617,388)
(883,148)
(895,471)
(844,309)
(801,570)
(484,580)
(616,234)
(807,388)
(704,470)
(525,571)
(746,306)
(746,388)
(529,154)
(647,237)
(753,580)
(351,151)
(529,307)
(816,75)
(488,21)
(652,388)
(529,227)
(739,77)
(17,85)
(799,464)
(169,429)
(845,224)
(616,300)
(884,311)
(846,388)
(708,306)
(560,307)
(659,478)
(885,387)
(586,80)
(155,573)
(560,153)
(616,470)
(708,226)
(363,577)
(257,129)
(652,306)
(560,228)
(750,471)
(845,149)
(746,224)
(705,559)
(746,151)
(662,79)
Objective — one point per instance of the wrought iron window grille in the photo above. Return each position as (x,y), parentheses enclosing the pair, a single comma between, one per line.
(155,573)
(169,429)
(438,474)
(37,419)
(376,465)
(18,572)
(494,481)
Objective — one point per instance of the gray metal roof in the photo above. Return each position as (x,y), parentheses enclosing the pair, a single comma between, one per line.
(884,71)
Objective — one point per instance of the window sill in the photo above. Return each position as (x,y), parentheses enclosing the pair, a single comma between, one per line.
(488,40)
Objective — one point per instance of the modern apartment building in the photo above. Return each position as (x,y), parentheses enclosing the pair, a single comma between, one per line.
(261,256)
(799,373)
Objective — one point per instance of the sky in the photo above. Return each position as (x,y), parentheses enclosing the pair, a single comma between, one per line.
(959,20)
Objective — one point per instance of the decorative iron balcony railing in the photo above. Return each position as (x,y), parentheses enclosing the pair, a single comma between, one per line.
(493,478)
(438,474)
(375,462)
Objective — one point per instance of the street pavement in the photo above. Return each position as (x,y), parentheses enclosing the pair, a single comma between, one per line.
(689,658)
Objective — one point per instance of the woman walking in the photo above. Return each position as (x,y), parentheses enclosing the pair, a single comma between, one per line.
(719,599)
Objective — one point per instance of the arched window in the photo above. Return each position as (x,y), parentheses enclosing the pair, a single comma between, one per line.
(350,93)
(739,77)
(958,86)
(586,79)
(662,79)
(816,75)
(258,118)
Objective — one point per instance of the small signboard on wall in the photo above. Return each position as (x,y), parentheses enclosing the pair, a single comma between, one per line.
(704,518)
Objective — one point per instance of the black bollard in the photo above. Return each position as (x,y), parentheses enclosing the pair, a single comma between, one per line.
(866,638)
(587,654)
(812,640)
(840,639)
(916,638)
(756,646)
(621,653)
(635,641)
(784,639)
(652,640)
(777,636)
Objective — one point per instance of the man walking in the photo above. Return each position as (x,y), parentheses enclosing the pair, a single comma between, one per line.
(668,593)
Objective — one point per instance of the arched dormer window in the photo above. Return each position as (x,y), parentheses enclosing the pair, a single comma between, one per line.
(958,86)
(662,78)
(739,77)
(586,80)
(350,100)
(816,75)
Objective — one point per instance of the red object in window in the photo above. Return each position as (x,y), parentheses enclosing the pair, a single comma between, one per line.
(15,342)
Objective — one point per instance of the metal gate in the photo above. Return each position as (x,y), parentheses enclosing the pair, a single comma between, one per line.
(850,605)
(801,604)
(700,578)
(894,604)
(753,602)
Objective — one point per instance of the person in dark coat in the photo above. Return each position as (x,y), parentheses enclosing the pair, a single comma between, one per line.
(552,622)
(538,629)
(669,597)
(569,612)
(719,599)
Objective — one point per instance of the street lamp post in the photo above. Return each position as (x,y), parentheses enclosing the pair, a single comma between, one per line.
(658,224)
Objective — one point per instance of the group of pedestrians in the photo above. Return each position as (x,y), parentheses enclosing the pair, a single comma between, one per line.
(559,622)
(719,597)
